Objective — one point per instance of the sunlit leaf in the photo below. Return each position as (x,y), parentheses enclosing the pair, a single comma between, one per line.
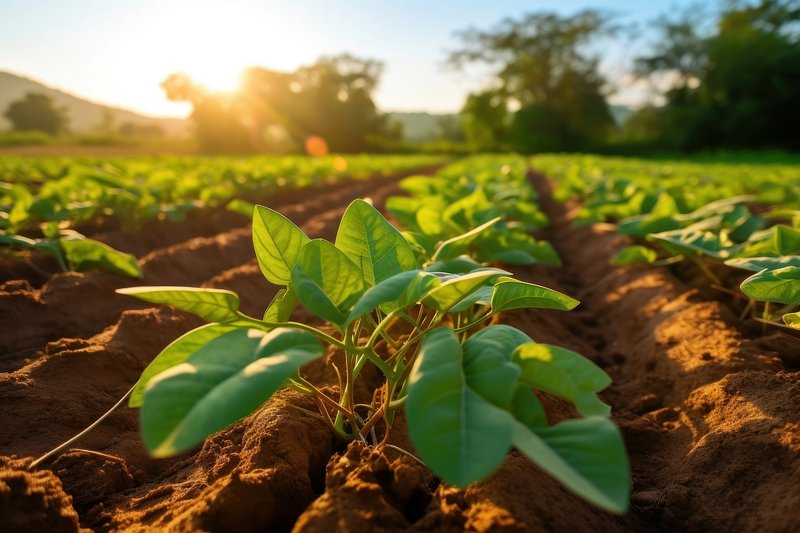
(458,434)
(326,281)
(212,305)
(277,242)
(780,286)
(512,294)
(214,388)
(373,244)
(587,455)
(564,373)
(88,254)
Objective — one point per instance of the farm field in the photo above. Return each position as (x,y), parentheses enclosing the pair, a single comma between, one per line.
(703,365)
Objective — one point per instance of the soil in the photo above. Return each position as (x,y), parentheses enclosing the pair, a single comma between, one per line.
(709,408)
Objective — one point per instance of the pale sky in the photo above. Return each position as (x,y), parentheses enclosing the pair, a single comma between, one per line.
(117,52)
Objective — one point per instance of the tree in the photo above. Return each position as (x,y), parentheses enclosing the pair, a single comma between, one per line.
(541,69)
(36,112)
(680,48)
(331,99)
(484,118)
(450,128)
(219,123)
(737,85)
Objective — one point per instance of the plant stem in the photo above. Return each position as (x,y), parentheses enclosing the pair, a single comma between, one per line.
(481,318)
(60,448)
(706,270)
(379,328)
(404,452)
(268,326)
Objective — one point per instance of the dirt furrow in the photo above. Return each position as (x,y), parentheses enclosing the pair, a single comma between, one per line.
(711,419)
(116,485)
(74,305)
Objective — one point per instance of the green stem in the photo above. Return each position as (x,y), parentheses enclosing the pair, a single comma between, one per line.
(481,318)
(378,329)
(707,271)
(399,402)
(61,447)
(268,326)
(299,387)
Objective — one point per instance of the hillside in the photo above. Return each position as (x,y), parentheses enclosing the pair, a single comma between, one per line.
(418,127)
(84,116)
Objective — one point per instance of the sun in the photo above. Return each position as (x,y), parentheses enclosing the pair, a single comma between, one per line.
(210,42)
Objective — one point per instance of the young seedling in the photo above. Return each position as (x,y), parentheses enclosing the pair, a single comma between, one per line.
(468,390)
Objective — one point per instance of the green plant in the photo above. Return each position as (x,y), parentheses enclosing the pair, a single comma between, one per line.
(74,252)
(777,285)
(468,388)
(483,201)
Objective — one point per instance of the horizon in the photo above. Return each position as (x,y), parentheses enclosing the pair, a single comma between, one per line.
(126,72)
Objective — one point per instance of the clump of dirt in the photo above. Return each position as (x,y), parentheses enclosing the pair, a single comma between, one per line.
(366,491)
(33,500)
(257,475)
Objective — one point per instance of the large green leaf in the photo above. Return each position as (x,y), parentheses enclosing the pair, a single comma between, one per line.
(483,296)
(512,294)
(787,240)
(282,306)
(587,455)
(458,434)
(215,388)
(564,373)
(458,265)
(455,289)
(211,337)
(399,291)
(780,286)
(17,240)
(691,242)
(326,281)
(277,242)
(488,363)
(212,305)
(373,244)
(429,218)
(87,254)
(634,255)
(526,407)
(792,320)
(757,264)
(457,245)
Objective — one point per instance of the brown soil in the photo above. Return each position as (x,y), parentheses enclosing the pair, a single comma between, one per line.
(709,412)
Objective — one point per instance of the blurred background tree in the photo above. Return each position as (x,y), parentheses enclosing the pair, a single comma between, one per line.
(737,87)
(546,91)
(218,119)
(331,100)
(36,112)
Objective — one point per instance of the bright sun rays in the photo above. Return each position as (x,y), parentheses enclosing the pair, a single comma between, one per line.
(211,43)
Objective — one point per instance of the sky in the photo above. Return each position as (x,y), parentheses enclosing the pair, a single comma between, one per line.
(117,52)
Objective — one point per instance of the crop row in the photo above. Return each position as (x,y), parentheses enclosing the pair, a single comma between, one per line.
(414,306)
(45,201)
(718,217)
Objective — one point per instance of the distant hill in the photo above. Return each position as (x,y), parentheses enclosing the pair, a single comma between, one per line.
(418,127)
(422,127)
(84,116)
